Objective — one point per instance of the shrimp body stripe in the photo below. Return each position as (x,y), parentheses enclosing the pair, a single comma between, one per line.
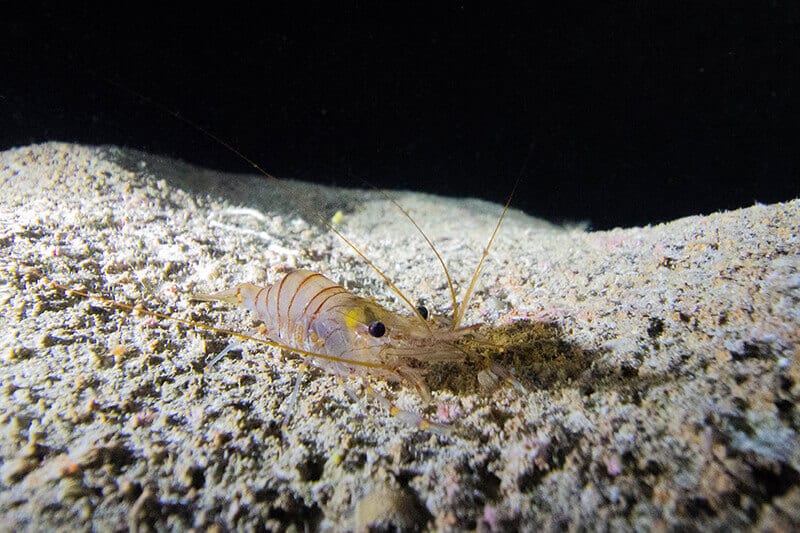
(297,290)
(268,304)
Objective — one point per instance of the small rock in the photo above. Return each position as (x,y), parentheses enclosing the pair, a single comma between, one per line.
(16,469)
(389,507)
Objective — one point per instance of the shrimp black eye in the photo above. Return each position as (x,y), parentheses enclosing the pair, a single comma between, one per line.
(377,329)
(423,311)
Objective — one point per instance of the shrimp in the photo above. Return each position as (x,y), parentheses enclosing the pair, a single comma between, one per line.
(345,334)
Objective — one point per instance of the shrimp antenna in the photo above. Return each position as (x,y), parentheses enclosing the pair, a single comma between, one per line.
(140,309)
(427,240)
(462,308)
(266,174)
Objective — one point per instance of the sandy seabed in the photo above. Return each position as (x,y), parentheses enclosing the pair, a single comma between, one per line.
(659,366)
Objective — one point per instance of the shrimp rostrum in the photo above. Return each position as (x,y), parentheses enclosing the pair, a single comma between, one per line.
(347,335)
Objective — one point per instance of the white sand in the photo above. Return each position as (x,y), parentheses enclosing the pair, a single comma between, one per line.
(661,363)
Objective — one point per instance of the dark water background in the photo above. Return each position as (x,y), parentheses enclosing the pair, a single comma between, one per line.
(628,113)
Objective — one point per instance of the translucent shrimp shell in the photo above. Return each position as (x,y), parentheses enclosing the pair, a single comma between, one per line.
(308,312)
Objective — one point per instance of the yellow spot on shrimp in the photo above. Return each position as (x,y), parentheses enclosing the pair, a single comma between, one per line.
(354,317)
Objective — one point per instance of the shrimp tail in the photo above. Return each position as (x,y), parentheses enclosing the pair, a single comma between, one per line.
(242,294)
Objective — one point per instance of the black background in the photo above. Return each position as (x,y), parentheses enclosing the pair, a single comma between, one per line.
(628,112)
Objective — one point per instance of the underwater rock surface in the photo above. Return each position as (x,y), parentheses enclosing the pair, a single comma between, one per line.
(659,365)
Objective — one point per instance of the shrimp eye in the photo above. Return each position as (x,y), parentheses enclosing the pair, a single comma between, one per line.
(423,311)
(377,329)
